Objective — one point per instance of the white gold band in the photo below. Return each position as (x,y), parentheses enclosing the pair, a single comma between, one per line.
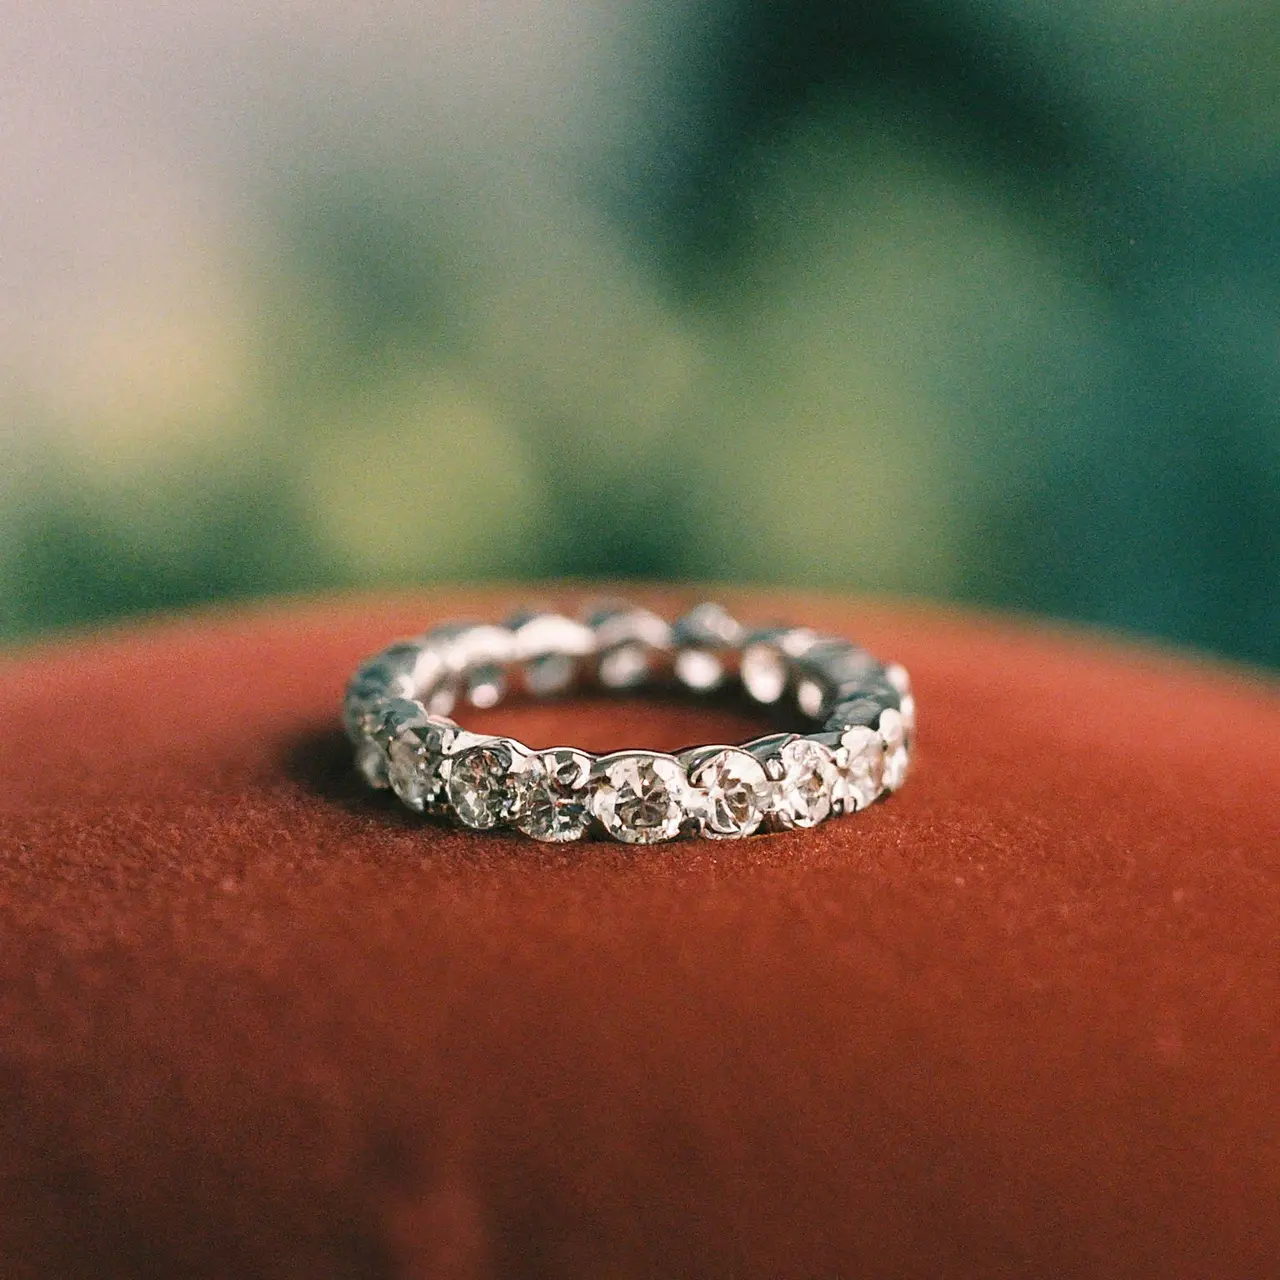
(859,716)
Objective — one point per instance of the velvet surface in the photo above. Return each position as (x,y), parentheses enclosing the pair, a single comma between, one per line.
(1021,1019)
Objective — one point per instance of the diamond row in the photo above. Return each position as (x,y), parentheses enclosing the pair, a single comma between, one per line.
(782,782)
(397,703)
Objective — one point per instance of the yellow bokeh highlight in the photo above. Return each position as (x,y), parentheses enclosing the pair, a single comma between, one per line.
(422,478)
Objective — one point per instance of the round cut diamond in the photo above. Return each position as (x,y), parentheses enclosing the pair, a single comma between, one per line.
(859,769)
(486,685)
(557,800)
(627,640)
(699,670)
(764,672)
(730,792)
(810,698)
(640,795)
(807,777)
(624,667)
(550,673)
(442,697)
(415,747)
(896,759)
(486,783)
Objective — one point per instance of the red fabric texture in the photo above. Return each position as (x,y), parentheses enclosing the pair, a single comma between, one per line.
(1022,1019)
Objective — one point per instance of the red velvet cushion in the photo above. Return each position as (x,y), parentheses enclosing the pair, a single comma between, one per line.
(1021,1019)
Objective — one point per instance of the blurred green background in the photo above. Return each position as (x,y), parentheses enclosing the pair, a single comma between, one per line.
(976,299)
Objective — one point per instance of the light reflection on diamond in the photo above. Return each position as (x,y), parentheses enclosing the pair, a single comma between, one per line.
(859,769)
(639,797)
(802,795)
(557,799)
(730,793)
(486,783)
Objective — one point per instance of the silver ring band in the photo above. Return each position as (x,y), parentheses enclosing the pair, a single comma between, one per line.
(857,718)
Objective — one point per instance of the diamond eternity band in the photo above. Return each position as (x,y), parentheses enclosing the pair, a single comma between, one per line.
(857,717)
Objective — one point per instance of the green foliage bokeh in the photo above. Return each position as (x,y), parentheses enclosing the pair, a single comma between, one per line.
(976,300)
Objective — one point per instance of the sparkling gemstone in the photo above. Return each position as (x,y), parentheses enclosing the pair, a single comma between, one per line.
(698,669)
(626,639)
(624,667)
(702,637)
(549,674)
(443,697)
(486,685)
(810,698)
(486,783)
(537,634)
(795,642)
(557,800)
(859,769)
(414,755)
(614,622)
(896,758)
(708,625)
(764,672)
(371,760)
(639,797)
(388,675)
(730,793)
(550,648)
(802,792)
(460,646)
